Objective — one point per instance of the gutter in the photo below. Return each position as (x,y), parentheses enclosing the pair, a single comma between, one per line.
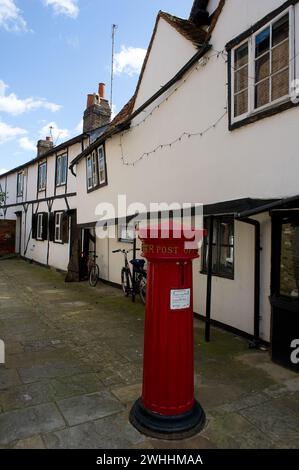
(256,342)
(115,130)
(280,203)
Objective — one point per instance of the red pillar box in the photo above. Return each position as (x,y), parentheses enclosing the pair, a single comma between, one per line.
(167,407)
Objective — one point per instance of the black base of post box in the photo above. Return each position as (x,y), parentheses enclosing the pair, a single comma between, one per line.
(167,427)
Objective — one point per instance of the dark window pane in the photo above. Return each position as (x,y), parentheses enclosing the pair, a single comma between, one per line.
(262,68)
(280,85)
(241,56)
(262,94)
(223,247)
(289,270)
(280,30)
(226,232)
(241,79)
(280,57)
(262,42)
(241,103)
(226,260)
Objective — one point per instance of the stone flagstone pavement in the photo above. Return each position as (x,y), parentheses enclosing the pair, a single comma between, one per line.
(74,368)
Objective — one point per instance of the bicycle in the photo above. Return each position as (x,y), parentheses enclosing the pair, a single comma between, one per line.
(93,271)
(133,282)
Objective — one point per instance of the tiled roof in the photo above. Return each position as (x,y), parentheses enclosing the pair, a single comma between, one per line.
(125,112)
(186,28)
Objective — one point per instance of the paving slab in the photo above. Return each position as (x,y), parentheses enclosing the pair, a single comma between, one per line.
(128,394)
(8,378)
(34,442)
(49,370)
(23,396)
(85,408)
(20,424)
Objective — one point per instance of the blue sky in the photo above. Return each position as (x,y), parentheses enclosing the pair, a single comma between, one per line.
(54,52)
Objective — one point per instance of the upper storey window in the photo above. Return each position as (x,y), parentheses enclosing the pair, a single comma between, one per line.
(20,184)
(262,68)
(61,170)
(42,176)
(96,169)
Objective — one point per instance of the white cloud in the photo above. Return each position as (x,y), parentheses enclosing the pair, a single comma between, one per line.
(2,171)
(27,144)
(64,7)
(8,132)
(57,133)
(11,17)
(129,60)
(11,104)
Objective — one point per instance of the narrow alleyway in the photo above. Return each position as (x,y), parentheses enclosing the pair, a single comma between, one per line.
(74,368)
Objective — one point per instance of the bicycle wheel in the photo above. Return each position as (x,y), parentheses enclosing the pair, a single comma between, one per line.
(94,275)
(142,289)
(125,282)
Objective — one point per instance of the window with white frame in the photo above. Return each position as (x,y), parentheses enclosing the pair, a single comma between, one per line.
(58,227)
(96,169)
(20,183)
(42,176)
(102,165)
(262,67)
(40,226)
(126,233)
(61,170)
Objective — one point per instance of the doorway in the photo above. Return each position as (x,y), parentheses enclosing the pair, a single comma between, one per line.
(285,289)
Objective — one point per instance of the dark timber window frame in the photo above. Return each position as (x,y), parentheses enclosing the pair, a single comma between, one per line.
(274,107)
(96,165)
(217,247)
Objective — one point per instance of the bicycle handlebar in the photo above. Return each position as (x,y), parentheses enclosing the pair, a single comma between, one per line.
(125,251)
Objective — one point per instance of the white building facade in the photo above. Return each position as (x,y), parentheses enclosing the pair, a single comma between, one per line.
(213,121)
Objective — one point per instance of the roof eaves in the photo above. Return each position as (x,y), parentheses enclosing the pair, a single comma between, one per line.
(50,152)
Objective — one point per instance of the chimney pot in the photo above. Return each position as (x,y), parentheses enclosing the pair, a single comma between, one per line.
(90,100)
(102,90)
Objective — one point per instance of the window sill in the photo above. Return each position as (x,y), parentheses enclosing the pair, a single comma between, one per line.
(58,242)
(99,186)
(262,114)
(60,185)
(229,277)
(41,190)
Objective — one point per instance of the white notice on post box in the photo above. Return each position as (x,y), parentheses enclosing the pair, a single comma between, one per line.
(180,299)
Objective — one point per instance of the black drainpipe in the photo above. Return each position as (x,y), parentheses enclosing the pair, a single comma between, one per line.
(256,342)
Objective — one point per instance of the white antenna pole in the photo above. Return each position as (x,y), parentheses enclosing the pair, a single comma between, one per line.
(114,28)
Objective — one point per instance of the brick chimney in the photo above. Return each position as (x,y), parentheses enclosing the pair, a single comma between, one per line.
(44,146)
(199,14)
(98,111)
